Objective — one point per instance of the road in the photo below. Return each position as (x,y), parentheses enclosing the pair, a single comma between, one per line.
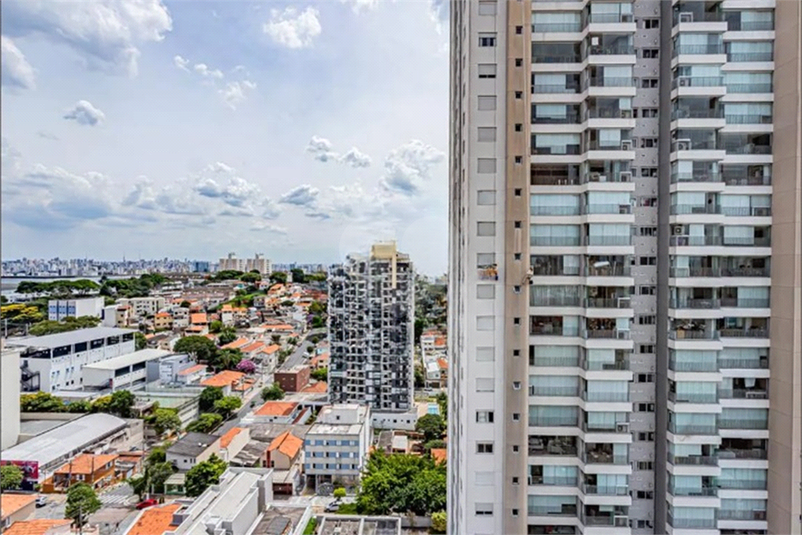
(297,356)
(252,396)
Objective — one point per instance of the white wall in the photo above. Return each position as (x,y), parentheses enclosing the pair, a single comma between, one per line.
(395,420)
(9,398)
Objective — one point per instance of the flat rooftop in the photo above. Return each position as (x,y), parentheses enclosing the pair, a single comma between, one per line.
(69,338)
(358,525)
(143,355)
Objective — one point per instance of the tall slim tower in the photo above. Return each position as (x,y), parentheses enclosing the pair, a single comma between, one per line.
(625,274)
(371,330)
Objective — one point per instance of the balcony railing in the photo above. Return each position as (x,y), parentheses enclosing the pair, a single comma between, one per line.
(542,57)
(695,272)
(697,304)
(559,27)
(539,180)
(615,302)
(554,241)
(745,364)
(568,118)
(554,391)
(609,18)
(704,176)
(608,113)
(693,460)
(624,50)
(562,450)
(564,362)
(742,423)
(553,421)
(613,397)
(746,211)
(698,49)
(746,149)
(550,510)
(693,335)
(605,366)
(617,270)
(734,302)
(746,242)
(554,210)
(608,240)
(553,481)
(610,81)
(756,453)
(684,209)
(614,334)
(556,88)
(556,301)
(561,150)
(692,523)
(603,457)
(740,484)
(685,113)
(732,179)
(697,16)
(605,520)
(738,57)
(766,87)
(595,144)
(693,145)
(688,397)
(607,209)
(692,366)
(616,177)
(553,330)
(693,491)
(748,118)
(605,490)
(620,428)
(697,81)
(684,429)
(548,270)
(741,514)
(743,393)
(744,333)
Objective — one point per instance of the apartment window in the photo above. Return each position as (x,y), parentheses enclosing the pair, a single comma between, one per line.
(647,290)
(487,39)
(484,354)
(650,53)
(646,437)
(515,512)
(519,62)
(517,224)
(485,259)
(484,447)
(486,165)
(647,260)
(514,480)
(651,24)
(519,127)
(486,197)
(519,30)
(645,377)
(486,228)
(485,323)
(517,192)
(516,352)
(644,407)
(648,142)
(644,524)
(485,291)
(649,113)
(516,256)
(487,70)
(484,509)
(647,231)
(647,320)
(484,417)
(649,83)
(516,417)
(646,349)
(486,134)
(645,495)
(645,465)
(516,385)
(515,448)
(487,102)
(648,171)
(519,94)
(485,384)
(487,8)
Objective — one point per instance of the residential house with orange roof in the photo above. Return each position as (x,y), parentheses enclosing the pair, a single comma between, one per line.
(97,471)
(191,375)
(267,356)
(284,456)
(239,343)
(278,412)
(321,360)
(16,507)
(251,350)
(163,321)
(229,381)
(41,526)
(198,323)
(155,520)
(232,442)
(320,387)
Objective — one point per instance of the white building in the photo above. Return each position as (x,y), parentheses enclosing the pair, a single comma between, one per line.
(58,309)
(144,306)
(124,372)
(336,446)
(170,367)
(9,397)
(58,359)
(191,449)
(258,262)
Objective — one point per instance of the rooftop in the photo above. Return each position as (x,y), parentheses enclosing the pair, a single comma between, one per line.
(252,347)
(278,517)
(193,444)
(320,387)
(224,378)
(358,525)
(199,318)
(154,521)
(287,443)
(440,455)
(295,369)
(276,408)
(36,527)
(143,355)
(193,369)
(68,338)
(11,503)
(226,439)
(239,342)
(86,463)
(61,441)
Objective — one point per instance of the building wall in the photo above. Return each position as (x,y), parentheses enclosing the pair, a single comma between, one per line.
(395,420)
(58,309)
(9,392)
(293,381)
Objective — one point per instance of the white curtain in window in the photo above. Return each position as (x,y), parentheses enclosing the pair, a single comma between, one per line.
(760,201)
(557,351)
(688,482)
(688,356)
(743,474)
(606,9)
(605,420)
(554,231)
(557,142)
(743,504)
(558,473)
(600,356)
(701,71)
(692,418)
(616,71)
(571,263)
(551,111)
(693,198)
(749,47)
(747,78)
(747,108)
(685,450)
(550,79)
(609,137)
(735,201)
(612,482)
(690,391)
(609,229)
(570,323)
(733,414)
(694,513)
(738,234)
(566,17)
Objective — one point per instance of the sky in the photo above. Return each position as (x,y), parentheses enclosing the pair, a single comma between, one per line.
(190,129)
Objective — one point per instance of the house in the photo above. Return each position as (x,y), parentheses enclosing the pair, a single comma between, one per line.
(251,350)
(163,321)
(229,381)
(319,387)
(233,441)
(43,526)
(198,324)
(267,356)
(191,375)
(15,507)
(155,520)
(239,343)
(192,449)
(294,379)
(284,412)
(321,360)
(97,471)
(124,316)
(284,451)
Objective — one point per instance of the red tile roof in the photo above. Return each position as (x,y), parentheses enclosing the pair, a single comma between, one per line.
(154,521)
(193,369)
(226,439)
(11,503)
(276,408)
(286,443)
(35,527)
(224,378)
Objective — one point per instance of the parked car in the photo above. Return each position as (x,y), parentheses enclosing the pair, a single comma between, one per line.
(144,504)
(332,507)
(41,501)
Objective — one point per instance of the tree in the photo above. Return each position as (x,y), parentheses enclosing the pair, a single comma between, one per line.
(442,403)
(10,477)
(204,474)
(250,277)
(21,313)
(320,374)
(199,348)
(227,405)
(318,322)
(185,304)
(121,403)
(79,406)
(434,444)
(227,359)
(226,336)
(298,275)
(317,308)
(40,402)
(102,404)
(156,472)
(246,366)
(273,392)
(67,324)
(420,324)
(431,425)
(279,277)
(420,376)
(216,326)
(206,423)
(81,503)
(439,522)
(401,484)
(275,338)
(310,349)
(141,341)
(339,493)
(208,396)
(164,420)
(287,303)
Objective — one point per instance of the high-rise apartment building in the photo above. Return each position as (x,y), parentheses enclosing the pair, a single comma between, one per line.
(371,310)
(625,276)
(258,263)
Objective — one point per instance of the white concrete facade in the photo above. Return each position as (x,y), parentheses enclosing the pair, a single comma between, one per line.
(337,444)
(58,309)
(9,397)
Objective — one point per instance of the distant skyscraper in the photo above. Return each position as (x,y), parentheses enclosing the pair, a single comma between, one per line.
(371,329)
(625,308)
(258,263)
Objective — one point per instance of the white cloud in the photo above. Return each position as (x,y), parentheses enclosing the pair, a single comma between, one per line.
(85,113)
(105,33)
(355,158)
(181,63)
(406,169)
(321,150)
(235,93)
(206,72)
(264,226)
(45,134)
(362,5)
(292,29)
(303,195)
(16,71)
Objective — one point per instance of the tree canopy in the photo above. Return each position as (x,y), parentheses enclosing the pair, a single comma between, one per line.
(133,287)
(278,276)
(320,374)
(156,472)
(203,475)
(400,484)
(215,326)
(10,477)
(58,287)
(68,324)
(227,405)
(431,425)
(121,403)
(273,392)
(226,336)
(82,501)
(246,366)
(250,277)
(40,402)
(165,419)
(140,341)
(199,348)
(206,423)
(208,396)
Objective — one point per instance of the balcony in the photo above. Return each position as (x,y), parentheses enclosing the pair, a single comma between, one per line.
(691,523)
(604,490)
(698,397)
(561,150)
(595,144)
(610,270)
(568,118)
(692,366)
(619,364)
(741,514)
(610,81)
(698,49)
(612,397)
(608,240)
(552,446)
(743,364)
(554,391)
(609,18)
(566,510)
(734,302)
(755,454)
(740,484)
(556,362)
(553,481)
(553,421)
(554,241)
(681,334)
(689,113)
(745,179)
(612,334)
(743,118)
(554,179)
(742,57)
(694,241)
(620,209)
(766,87)
(553,210)
(705,176)
(744,333)
(694,272)
(615,50)
(603,454)
(692,460)
(746,149)
(557,27)
(615,302)
(608,113)
(552,330)
(489,273)
(742,423)
(687,13)
(619,428)
(546,57)
(685,209)
(695,304)
(603,177)
(746,211)
(687,429)
(601,520)
(697,81)
(743,393)
(694,491)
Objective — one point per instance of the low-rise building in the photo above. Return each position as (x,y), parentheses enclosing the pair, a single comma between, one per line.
(58,309)
(192,449)
(337,444)
(155,520)
(294,379)
(230,381)
(124,316)
(163,321)
(395,420)
(97,471)
(144,306)
(233,441)
(124,372)
(40,526)
(168,368)
(9,397)
(282,412)
(358,525)
(15,507)
(191,375)
(284,451)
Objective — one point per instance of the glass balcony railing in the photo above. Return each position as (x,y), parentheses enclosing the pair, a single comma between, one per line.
(603,457)
(693,491)
(741,484)
(609,18)
(739,57)
(568,118)
(703,176)
(554,210)
(554,180)
(681,16)
(553,421)
(742,393)
(696,304)
(756,454)
(605,520)
(608,113)
(685,113)
(616,50)
(549,510)
(734,302)
(687,429)
(685,209)
(605,333)
(613,397)
(565,362)
(742,423)
(610,81)
(553,481)
(691,397)
(745,149)
(553,330)
(608,271)
(613,302)
(744,118)
(746,211)
(557,27)
(692,460)
(692,523)
(745,364)
(745,272)
(741,514)
(608,240)
(698,49)
(742,179)
(697,81)
(605,490)
(744,333)
(692,366)
(555,301)
(559,150)
(621,209)
(547,57)
(693,335)
(554,241)
(695,272)
(554,391)
(766,87)
(622,364)
(556,88)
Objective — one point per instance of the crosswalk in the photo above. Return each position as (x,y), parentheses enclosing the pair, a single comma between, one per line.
(114,499)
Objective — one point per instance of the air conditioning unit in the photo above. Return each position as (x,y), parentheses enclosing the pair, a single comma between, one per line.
(602,178)
(684,81)
(622,427)
(686,16)
(678,230)
(626,144)
(595,177)
(683,144)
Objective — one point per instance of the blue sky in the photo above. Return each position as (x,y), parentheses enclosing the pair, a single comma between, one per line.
(303,130)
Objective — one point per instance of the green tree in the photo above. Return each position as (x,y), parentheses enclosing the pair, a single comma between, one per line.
(81,503)
(79,406)
(401,484)
(204,474)
(10,477)
(420,376)
(427,492)
(275,338)
(215,326)
(339,493)
(298,275)
(164,420)
(121,403)
(420,324)
(434,444)
(21,313)
(431,425)
(287,303)
(279,277)
(157,455)
(439,522)
(185,304)
(208,396)
(250,277)
(320,374)
(67,324)
(40,402)
(227,359)
(318,322)
(141,341)
(199,348)
(226,336)
(226,406)
(442,403)
(101,404)
(206,423)
(273,392)
(317,308)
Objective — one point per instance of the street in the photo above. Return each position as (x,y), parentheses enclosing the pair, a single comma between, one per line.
(297,356)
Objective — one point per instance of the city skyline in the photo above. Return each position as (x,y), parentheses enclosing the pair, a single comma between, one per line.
(100,133)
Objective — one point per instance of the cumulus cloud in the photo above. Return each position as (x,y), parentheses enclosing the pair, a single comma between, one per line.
(181,63)
(361,5)
(106,34)
(83,112)
(355,158)
(270,209)
(293,29)
(237,192)
(16,71)
(171,199)
(235,93)
(303,195)
(264,226)
(406,169)
(321,150)
(206,72)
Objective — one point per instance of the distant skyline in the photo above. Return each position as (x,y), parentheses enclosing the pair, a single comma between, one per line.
(304,130)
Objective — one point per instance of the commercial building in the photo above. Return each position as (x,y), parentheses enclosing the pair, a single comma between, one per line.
(192,449)
(336,446)
(56,361)
(58,309)
(371,313)
(124,372)
(624,285)
(258,263)
(9,397)
(170,368)
(294,379)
